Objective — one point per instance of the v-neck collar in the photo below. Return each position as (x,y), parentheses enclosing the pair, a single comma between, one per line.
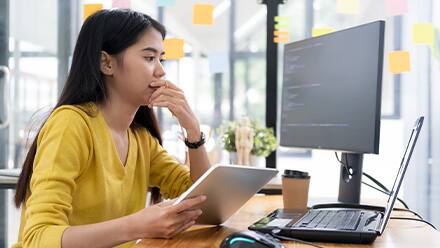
(115,153)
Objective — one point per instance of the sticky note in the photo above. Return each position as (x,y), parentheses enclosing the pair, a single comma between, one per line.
(399,61)
(202,14)
(89,9)
(280,26)
(123,4)
(280,36)
(218,62)
(321,31)
(281,19)
(164,3)
(348,6)
(396,7)
(423,33)
(282,39)
(282,22)
(173,48)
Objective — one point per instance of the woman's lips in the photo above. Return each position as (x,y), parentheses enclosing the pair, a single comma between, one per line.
(154,88)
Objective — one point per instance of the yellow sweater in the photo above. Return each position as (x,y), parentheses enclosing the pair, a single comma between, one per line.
(79,179)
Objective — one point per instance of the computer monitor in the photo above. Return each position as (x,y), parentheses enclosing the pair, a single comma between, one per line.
(331,98)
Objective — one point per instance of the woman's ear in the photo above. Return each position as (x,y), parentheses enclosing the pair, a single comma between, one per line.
(106,64)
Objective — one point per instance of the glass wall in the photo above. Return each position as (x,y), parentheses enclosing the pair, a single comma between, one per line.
(224,70)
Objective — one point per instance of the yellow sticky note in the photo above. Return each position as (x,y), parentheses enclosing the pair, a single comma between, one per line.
(281,18)
(321,31)
(348,6)
(282,26)
(202,14)
(399,61)
(89,9)
(423,33)
(173,48)
(282,22)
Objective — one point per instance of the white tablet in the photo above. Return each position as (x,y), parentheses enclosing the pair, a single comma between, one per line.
(227,187)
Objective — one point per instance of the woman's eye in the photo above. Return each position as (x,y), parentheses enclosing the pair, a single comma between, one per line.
(150,59)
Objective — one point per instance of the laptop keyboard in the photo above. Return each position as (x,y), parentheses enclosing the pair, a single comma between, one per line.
(330,219)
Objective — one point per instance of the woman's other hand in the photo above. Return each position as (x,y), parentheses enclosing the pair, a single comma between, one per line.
(165,220)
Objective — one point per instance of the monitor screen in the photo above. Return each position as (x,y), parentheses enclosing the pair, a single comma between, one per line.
(331,90)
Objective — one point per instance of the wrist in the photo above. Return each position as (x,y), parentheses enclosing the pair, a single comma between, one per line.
(193,135)
(130,227)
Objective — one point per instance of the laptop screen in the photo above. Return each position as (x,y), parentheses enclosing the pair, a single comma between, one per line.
(402,169)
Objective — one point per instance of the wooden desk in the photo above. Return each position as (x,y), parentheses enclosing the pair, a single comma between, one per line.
(398,233)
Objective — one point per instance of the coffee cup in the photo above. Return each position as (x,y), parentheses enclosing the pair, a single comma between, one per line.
(295,188)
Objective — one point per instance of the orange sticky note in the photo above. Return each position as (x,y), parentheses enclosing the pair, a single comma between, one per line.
(280,36)
(348,6)
(202,14)
(89,9)
(321,31)
(281,39)
(173,48)
(423,33)
(398,62)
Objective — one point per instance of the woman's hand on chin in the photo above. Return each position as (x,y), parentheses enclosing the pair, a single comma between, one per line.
(172,97)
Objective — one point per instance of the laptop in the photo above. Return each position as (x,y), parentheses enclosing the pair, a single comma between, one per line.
(347,223)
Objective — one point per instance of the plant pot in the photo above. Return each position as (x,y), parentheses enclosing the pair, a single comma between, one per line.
(258,161)
(232,157)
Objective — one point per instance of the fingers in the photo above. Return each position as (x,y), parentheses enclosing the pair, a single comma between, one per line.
(168,92)
(165,84)
(188,204)
(186,216)
(182,228)
(171,107)
(167,203)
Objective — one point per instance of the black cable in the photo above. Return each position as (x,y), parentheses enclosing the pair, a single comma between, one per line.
(296,240)
(386,193)
(420,220)
(374,180)
(385,189)
(345,165)
(408,210)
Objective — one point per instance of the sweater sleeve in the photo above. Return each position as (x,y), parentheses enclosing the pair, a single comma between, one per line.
(166,173)
(63,149)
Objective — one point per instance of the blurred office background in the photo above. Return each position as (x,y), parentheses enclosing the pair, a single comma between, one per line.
(223,75)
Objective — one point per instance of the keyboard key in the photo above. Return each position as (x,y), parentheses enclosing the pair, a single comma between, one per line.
(327,219)
(354,221)
(317,219)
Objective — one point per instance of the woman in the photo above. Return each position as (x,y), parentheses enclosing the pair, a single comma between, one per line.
(86,175)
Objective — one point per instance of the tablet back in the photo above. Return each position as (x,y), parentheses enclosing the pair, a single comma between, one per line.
(227,187)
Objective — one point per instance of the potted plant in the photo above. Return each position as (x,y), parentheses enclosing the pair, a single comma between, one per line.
(264,139)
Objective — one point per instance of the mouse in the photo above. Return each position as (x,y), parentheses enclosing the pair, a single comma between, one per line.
(250,239)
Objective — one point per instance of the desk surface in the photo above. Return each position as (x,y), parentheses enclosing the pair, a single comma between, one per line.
(399,233)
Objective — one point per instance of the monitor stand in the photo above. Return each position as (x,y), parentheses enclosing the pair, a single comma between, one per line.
(350,185)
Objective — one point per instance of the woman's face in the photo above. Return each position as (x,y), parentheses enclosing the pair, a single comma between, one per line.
(137,67)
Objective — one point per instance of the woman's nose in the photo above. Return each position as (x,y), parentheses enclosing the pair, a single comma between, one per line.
(159,72)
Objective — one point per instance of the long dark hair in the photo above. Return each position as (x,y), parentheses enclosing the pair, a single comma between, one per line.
(111,31)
